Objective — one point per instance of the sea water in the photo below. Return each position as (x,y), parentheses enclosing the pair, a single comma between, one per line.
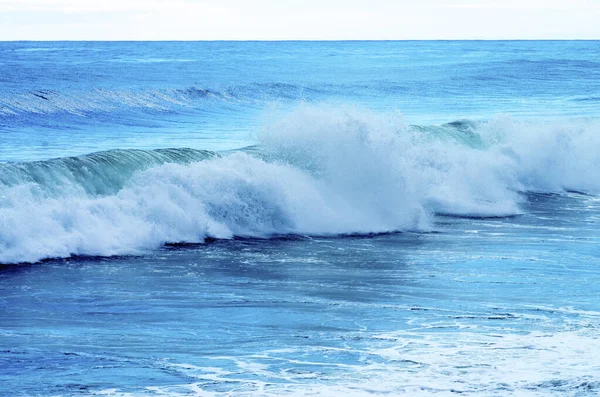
(300,218)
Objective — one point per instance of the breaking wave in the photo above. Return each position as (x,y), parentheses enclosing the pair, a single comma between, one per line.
(319,170)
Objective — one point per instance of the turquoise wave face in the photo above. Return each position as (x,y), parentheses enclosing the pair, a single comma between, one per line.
(101,173)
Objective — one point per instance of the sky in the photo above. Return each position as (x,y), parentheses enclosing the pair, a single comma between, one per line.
(298,19)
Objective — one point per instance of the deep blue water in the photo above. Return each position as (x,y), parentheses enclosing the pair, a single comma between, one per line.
(300,218)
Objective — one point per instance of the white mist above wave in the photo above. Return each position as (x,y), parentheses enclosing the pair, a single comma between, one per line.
(318,170)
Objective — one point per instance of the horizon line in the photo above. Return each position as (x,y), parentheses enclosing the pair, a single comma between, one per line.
(286,40)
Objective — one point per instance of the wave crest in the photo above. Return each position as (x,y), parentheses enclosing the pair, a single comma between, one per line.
(318,170)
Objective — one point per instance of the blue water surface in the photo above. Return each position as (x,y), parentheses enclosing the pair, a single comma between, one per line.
(357,218)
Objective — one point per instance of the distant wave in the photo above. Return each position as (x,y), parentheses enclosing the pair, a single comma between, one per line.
(319,170)
(99,100)
(78,103)
(587,99)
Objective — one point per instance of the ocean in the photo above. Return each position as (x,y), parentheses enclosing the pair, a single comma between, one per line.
(300,218)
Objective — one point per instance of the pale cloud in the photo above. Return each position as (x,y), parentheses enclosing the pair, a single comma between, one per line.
(297,19)
(91,6)
(537,5)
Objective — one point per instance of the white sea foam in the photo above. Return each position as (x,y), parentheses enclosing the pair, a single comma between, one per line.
(319,170)
(410,364)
